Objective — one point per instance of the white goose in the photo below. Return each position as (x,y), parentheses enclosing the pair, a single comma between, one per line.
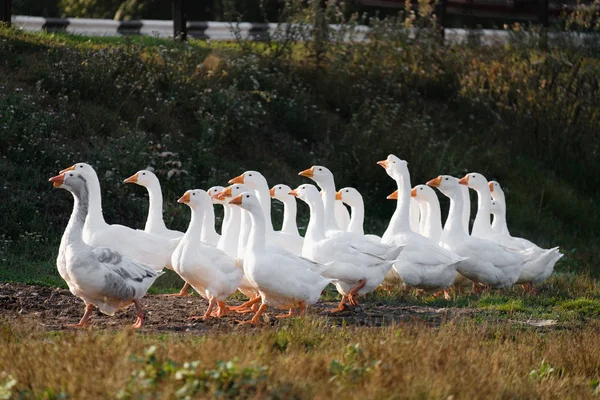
(537,265)
(256,181)
(289,226)
(230,230)
(324,178)
(210,271)
(358,265)
(138,245)
(423,263)
(353,198)
(99,276)
(245,224)
(488,262)
(428,201)
(529,275)
(282,279)
(155,223)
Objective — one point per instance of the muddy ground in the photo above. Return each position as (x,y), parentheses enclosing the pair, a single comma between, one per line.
(52,308)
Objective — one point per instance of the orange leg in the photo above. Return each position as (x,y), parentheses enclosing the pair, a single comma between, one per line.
(247,305)
(182,293)
(256,319)
(140,315)
(84,319)
(342,306)
(476,289)
(353,294)
(206,315)
(222,310)
(292,313)
(302,309)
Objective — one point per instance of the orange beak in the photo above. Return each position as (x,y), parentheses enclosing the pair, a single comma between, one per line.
(185,198)
(338,195)
(132,179)
(413,192)
(383,163)
(236,200)
(436,182)
(224,194)
(464,180)
(491,185)
(293,193)
(237,179)
(58,180)
(71,168)
(272,191)
(308,172)
(393,196)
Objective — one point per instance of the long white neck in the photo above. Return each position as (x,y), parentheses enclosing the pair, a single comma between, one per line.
(264,197)
(328,188)
(257,237)
(94,219)
(245,226)
(466,213)
(230,233)
(73,235)
(208,224)
(194,231)
(414,215)
(433,221)
(400,222)
(423,213)
(482,226)
(499,224)
(357,217)
(155,222)
(315,231)
(289,225)
(454,222)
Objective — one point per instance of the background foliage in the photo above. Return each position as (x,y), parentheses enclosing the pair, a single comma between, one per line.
(524,113)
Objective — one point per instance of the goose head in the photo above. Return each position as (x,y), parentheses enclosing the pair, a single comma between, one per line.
(281,192)
(143,178)
(213,192)
(350,196)
(232,191)
(319,174)
(196,198)
(446,184)
(253,179)
(475,181)
(423,193)
(307,193)
(70,180)
(248,201)
(496,208)
(496,191)
(394,166)
(84,169)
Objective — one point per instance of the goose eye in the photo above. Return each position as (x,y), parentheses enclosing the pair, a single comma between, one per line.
(143,173)
(420,188)
(320,169)
(346,190)
(393,162)
(249,174)
(473,176)
(446,178)
(193,194)
(70,174)
(247,196)
(81,166)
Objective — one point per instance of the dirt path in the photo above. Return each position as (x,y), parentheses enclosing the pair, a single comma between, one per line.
(51,308)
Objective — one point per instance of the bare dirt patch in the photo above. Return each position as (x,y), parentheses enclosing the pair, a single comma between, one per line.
(52,308)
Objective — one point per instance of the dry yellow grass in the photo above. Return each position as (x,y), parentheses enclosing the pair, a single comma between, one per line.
(309,358)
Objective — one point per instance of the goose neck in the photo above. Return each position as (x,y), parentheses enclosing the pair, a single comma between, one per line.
(73,234)
(257,238)
(315,231)
(357,218)
(454,223)
(208,223)
(155,220)
(433,220)
(95,219)
(194,231)
(289,217)
(264,197)
(328,188)
(482,225)
(400,222)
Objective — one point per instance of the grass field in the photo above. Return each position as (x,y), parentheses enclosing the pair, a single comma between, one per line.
(523,114)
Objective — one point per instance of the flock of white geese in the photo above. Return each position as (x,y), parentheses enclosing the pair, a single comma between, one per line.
(112,266)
